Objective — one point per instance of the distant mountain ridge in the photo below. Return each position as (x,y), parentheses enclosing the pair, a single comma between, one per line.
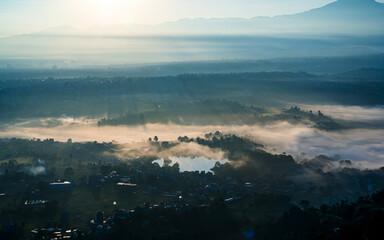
(341,17)
(348,10)
(341,28)
(351,17)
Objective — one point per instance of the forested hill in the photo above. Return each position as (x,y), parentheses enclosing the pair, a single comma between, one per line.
(97,97)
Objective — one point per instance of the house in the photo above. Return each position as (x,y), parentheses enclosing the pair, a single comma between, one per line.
(54,233)
(129,187)
(65,185)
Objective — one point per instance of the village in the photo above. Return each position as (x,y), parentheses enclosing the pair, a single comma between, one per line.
(79,191)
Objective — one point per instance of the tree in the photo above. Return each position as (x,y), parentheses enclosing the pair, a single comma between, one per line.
(167,162)
(304,204)
(12,162)
(68,172)
(51,207)
(43,186)
(175,167)
(105,169)
(64,218)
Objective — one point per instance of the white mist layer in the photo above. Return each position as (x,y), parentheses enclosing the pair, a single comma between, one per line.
(354,113)
(190,164)
(301,141)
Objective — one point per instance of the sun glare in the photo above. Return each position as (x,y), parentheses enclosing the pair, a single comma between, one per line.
(108,4)
(111,11)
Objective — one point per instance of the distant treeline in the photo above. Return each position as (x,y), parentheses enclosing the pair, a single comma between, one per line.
(208,112)
(96,97)
(37,69)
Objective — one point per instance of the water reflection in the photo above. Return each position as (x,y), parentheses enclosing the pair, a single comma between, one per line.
(190,164)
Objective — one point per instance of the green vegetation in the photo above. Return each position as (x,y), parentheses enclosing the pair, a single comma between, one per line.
(164,97)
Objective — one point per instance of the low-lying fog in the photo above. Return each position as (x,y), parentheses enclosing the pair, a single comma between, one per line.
(365,146)
(192,163)
(354,113)
(90,50)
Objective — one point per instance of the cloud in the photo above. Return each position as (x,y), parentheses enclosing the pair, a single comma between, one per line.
(36,170)
(190,156)
(192,163)
(181,150)
(355,113)
(365,146)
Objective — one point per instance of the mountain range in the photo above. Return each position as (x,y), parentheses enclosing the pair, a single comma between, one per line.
(350,17)
(341,28)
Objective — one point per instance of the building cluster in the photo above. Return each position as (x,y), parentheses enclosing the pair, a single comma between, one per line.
(140,219)
(54,234)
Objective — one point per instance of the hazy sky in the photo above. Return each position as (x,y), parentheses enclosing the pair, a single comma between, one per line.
(21,16)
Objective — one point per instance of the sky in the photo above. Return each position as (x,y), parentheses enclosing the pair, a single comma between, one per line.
(25,16)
